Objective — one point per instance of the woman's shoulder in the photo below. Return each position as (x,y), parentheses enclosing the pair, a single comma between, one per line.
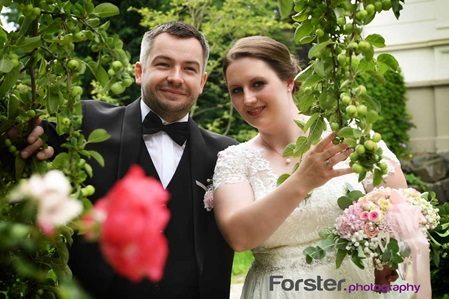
(240,150)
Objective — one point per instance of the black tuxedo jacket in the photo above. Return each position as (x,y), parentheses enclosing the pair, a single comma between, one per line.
(120,151)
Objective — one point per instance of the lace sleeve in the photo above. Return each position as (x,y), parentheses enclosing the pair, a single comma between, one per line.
(389,158)
(231,166)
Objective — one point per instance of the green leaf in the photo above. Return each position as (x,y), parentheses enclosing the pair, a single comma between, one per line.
(289,150)
(300,17)
(346,132)
(304,29)
(326,233)
(317,48)
(376,40)
(376,75)
(304,74)
(388,60)
(377,178)
(30,43)
(316,130)
(341,244)
(61,161)
(310,121)
(104,10)
(344,202)
(435,257)
(38,166)
(98,135)
(99,73)
(307,39)
(327,100)
(97,156)
(13,106)
(393,245)
(355,194)
(340,256)
(367,64)
(54,100)
(386,256)
(306,102)
(302,145)
(300,5)
(9,81)
(3,35)
(357,261)
(318,67)
(19,167)
(362,175)
(326,245)
(319,253)
(285,8)
(311,80)
(282,178)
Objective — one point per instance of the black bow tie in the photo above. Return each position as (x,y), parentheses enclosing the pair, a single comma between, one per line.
(177,131)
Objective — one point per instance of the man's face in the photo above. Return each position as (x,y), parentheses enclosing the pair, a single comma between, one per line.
(173,76)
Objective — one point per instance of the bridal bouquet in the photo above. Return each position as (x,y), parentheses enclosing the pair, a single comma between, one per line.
(379,226)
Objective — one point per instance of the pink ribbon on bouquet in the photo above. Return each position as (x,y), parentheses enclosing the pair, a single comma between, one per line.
(408,217)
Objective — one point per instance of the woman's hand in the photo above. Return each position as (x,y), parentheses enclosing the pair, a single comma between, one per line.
(317,164)
(385,276)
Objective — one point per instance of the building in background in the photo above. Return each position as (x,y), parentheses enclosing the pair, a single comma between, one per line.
(419,40)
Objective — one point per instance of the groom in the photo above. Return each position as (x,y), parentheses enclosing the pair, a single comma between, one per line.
(171,72)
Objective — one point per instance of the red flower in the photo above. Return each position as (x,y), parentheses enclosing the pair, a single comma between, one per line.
(132,238)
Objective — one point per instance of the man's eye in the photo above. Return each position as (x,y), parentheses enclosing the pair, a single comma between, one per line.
(259,84)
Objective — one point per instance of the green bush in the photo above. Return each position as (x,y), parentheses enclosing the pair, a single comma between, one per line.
(242,262)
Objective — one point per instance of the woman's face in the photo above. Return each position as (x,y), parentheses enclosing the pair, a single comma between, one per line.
(257,92)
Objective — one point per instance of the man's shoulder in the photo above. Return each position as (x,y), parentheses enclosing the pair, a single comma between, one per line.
(212,137)
(100,106)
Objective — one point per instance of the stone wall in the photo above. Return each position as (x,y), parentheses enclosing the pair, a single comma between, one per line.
(433,169)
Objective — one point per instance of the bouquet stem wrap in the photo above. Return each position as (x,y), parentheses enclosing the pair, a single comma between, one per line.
(408,218)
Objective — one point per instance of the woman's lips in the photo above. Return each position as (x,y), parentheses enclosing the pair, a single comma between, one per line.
(255,111)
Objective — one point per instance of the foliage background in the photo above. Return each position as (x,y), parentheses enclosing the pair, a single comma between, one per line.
(222,22)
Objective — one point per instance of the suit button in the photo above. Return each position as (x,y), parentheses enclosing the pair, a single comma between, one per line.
(157,288)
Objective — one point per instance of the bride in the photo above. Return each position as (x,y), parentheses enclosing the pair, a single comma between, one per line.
(277,223)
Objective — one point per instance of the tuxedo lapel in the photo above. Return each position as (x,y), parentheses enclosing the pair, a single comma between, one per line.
(131,138)
(198,161)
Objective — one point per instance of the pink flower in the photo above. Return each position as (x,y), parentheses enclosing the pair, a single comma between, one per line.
(374,215)
(370,230)
(364,215)
(209,200)
(132,238)
(51,193)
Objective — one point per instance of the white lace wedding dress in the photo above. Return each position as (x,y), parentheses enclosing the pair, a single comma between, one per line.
(281,257)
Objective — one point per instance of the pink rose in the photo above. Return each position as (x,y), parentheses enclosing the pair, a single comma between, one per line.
(132,238)
(374,215)
(370,230)
(364,215)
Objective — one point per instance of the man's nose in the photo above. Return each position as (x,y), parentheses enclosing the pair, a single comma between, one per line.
(175,76)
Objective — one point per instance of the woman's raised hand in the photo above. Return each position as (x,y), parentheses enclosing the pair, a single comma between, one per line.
(316,167)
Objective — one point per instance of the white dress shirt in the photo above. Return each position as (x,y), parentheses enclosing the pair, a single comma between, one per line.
(164,152)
